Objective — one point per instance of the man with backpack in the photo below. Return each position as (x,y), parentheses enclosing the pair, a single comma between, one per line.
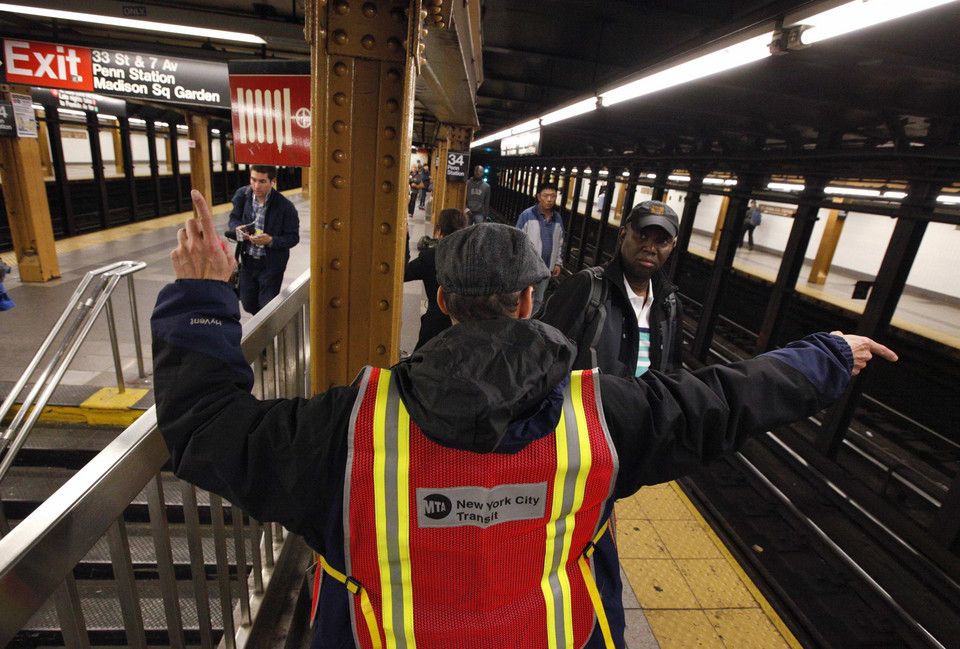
(750,223)
(626,317)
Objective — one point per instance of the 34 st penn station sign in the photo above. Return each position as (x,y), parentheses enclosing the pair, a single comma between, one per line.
(113,72)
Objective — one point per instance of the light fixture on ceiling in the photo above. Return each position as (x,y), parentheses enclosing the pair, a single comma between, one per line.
(727,58)
(802,29)
(128,23)
(855,15)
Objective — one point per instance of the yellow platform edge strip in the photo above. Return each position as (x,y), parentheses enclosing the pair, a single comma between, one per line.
(770,612)
(81,415)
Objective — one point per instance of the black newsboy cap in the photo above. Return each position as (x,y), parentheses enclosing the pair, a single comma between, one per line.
(488,259)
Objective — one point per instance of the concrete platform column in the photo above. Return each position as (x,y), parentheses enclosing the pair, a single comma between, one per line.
(28,212)
(364,59)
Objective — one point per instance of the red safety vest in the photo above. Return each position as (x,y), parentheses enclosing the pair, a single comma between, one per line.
(453,548)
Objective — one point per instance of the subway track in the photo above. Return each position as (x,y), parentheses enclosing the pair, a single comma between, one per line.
(840,547)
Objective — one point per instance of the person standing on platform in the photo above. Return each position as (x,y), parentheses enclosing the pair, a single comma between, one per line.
(424,268)
(462,496)
(424,184)
(750,223)
(415,186)
(543,225)
(626,317)
(267,226)
(478,197)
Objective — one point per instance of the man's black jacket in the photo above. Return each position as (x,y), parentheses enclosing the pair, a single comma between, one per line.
(615,346)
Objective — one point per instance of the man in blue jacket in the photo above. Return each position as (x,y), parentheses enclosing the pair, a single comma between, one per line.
(462,496)
(267,225)
(544,227)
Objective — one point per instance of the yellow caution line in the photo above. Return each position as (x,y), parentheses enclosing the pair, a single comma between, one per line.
(122,232)
(770,612)
(106,407)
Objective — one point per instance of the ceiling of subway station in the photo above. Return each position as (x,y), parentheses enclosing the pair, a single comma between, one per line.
(891,87)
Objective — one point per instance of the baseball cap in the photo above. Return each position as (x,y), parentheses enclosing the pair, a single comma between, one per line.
(653,213)
(488,259)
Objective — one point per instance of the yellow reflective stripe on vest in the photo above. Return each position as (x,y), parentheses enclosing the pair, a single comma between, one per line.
(574,459)
(592,587)
(392,508)
(365,606)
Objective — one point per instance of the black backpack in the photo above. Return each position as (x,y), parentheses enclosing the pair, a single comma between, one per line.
(596,314)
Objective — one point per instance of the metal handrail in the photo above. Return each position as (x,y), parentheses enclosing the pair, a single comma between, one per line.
(107,278)
(37,557)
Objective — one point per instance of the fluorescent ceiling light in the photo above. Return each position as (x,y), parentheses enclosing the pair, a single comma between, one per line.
(652,176)
(948,199)
(748,51)
(679,179)
(857,15)
(852,191)
(895,196)
(128,23)
(572,110)
(713,181)
(785,187)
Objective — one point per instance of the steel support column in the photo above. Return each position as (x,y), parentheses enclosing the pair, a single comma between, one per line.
(126,151)
(722,264)
(174,163)
(785,288)
(154,164)
(660,183)
(364,61)
(891,278)
(587,217)
(690,205)
(60,171)
(96,157)
(574,204)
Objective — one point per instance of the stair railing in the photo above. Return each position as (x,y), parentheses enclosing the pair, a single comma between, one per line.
(86,307)
(38,556)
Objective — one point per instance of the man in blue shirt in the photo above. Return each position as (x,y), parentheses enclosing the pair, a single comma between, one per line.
(544,227)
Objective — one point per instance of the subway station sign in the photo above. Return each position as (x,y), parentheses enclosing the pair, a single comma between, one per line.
(270,108)
(113,72)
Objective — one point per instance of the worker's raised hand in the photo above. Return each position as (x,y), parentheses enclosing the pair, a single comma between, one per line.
(200,253)
(863,349)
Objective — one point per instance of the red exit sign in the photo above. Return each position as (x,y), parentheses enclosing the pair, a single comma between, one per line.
(47,64)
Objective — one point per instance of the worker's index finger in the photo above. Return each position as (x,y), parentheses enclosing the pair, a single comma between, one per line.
(203,214)
(883,351)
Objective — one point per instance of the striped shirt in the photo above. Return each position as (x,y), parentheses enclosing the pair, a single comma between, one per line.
(259,211)
(641,307)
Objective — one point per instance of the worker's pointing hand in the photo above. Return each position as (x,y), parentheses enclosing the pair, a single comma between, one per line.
(200,253)
(863,349)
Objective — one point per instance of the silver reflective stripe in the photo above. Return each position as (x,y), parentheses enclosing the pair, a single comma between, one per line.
(571,467)
(346,493)
(394,588)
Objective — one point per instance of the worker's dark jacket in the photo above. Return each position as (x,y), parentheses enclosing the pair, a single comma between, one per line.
(281,221)
(615,345)
(491,386)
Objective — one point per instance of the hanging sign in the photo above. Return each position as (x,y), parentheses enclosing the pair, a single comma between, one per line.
(23,115)
(458,162)
(85,101)
(270,107)
(113,72)
(8,127)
